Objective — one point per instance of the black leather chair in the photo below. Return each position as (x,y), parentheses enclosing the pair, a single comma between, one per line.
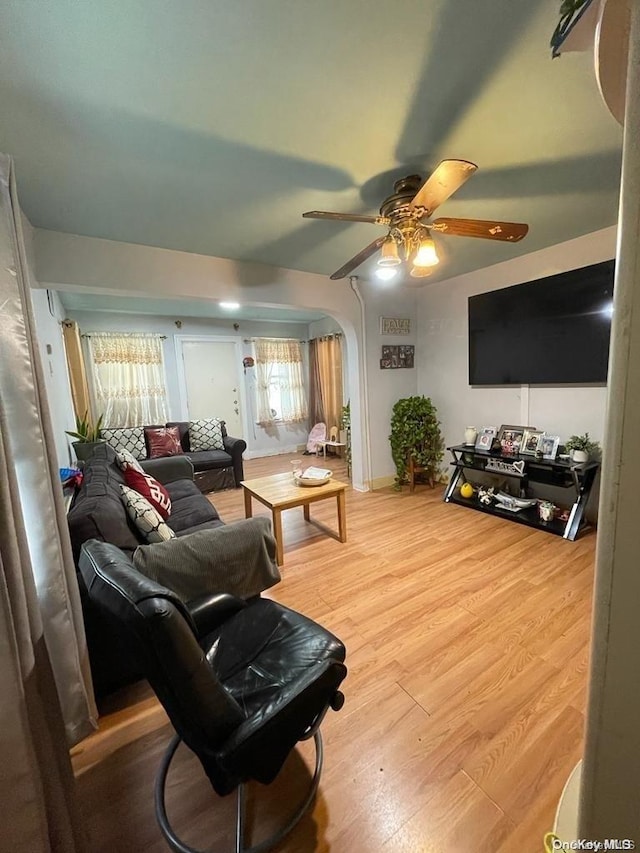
(241,682)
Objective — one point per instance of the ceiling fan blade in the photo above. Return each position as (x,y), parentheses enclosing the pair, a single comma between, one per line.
(345,217)
(358,259)
(448,177)
(489,229)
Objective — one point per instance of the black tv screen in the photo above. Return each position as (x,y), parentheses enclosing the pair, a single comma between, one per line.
(550,331)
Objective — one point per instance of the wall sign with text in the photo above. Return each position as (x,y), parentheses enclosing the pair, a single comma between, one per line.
(395,326)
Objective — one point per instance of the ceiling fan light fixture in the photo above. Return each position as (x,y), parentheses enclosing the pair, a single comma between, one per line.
(426,256)
(421,272)
(389,256)
(386,273)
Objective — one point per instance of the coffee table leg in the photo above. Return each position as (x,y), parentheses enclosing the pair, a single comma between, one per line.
(342,517)
(305,510)
(248,511)
(277,533)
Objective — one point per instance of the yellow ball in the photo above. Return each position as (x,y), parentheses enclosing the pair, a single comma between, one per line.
(466,490)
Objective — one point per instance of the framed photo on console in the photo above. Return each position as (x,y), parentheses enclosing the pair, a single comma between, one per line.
(548,445)
(530,439)
(485,438)
(510,437)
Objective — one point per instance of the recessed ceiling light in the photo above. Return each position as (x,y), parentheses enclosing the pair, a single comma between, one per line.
(229,306)
(385,273)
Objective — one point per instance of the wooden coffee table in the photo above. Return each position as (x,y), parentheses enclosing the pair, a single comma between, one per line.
(279,492)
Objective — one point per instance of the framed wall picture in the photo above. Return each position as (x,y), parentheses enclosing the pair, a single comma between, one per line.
(529,444)
(485,438)
(393,356)
(548,445)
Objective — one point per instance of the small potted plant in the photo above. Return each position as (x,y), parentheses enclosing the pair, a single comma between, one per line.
(87,436)
(582,447)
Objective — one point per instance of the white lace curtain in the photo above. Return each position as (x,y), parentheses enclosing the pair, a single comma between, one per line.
(128,376)
(280,381)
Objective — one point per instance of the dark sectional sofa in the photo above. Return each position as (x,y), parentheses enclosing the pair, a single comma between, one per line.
(213,469)
(97,512)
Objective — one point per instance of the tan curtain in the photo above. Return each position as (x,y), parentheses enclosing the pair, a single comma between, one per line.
(316,405)
(328,384)
(76,369)
(128,378)
(280,381)
(46,701)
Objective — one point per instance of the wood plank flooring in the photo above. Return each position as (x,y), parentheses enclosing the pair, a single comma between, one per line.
(467,648)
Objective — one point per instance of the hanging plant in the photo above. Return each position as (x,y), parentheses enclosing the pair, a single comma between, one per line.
(415,432)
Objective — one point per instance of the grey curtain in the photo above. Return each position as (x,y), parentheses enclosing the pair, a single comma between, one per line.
(46,701)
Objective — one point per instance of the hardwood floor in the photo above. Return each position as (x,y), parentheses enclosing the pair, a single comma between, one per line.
(467,648)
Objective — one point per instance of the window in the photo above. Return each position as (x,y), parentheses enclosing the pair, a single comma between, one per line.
(280,382)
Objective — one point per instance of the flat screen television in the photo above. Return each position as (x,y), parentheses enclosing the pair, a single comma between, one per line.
(551,331)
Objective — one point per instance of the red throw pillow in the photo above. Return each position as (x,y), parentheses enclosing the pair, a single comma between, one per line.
(150,489)
(163,441)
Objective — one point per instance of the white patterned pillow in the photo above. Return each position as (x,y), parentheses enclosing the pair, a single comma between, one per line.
(126,438)
(128,460)
(206,434)
(147,519)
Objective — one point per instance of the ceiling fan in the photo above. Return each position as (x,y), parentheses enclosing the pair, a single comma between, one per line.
(406,213)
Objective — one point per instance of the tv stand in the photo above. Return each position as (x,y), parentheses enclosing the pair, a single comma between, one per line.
(577,478)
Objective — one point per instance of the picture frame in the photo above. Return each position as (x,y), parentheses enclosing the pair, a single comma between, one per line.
(529,443)
(548,446)
(485,437)
(397,355)
(510,437)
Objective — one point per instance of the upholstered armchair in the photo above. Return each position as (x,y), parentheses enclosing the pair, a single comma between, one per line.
(242,682)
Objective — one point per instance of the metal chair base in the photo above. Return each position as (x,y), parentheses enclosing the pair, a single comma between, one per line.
(179,846)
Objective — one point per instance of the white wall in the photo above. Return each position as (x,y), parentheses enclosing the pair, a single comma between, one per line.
(260,441)
(443,351)
(69,262)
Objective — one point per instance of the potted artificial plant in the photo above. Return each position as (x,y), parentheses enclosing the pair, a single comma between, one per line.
(415,433)
(87,436)
(582,447)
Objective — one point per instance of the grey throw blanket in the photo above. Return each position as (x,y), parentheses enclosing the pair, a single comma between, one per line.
(238,558)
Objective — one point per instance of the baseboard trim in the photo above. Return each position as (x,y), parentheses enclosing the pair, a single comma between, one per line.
(277,451)
(381,482)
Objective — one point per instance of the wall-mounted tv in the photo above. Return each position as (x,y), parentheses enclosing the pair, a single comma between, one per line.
(550,331)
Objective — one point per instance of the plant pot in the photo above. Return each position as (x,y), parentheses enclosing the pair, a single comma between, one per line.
(579,456)
(84,449)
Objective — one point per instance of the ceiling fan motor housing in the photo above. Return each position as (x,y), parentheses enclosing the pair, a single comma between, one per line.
(397,206)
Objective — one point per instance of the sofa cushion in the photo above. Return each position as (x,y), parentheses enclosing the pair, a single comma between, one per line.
(97,511)
(163,441)
(149,488)
(205,434)
(126,438)
(203,460)
(188,508)
(147,519)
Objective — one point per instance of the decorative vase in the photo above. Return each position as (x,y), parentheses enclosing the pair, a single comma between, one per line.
(343,436)
(580,456)
(470,435)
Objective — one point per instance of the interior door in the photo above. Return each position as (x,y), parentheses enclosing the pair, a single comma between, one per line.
(212,382)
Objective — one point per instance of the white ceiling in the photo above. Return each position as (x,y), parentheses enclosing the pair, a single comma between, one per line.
(209,126)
